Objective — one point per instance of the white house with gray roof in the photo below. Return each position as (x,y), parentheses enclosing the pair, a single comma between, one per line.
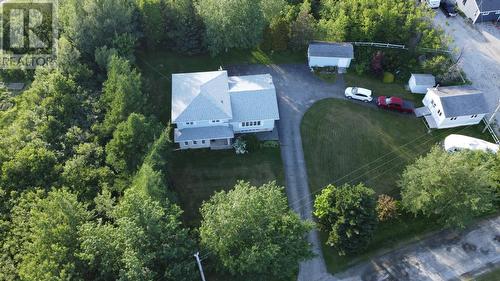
(209,108)
(447,107)
(327,54)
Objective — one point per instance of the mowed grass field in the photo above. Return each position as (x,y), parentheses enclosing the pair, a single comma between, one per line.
(198,174)
(345,142)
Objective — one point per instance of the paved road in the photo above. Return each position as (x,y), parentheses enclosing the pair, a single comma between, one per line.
(443,256)
(479,45)
(297,90)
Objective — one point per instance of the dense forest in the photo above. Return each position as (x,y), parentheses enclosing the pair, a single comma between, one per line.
(84,183)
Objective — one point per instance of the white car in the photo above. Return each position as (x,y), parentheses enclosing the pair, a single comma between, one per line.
(357,93)
(458,142)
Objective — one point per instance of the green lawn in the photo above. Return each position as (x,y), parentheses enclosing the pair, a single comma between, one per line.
(197,174)
(157,68)
(346,142)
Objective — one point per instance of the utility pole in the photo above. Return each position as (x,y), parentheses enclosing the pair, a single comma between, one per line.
(492,116)
(197,256)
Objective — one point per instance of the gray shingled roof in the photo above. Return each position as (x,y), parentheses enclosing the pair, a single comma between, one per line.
(253,97)
(488,5)
(200,96)
(203,133)
(326,49)
(461,100)
(424,79)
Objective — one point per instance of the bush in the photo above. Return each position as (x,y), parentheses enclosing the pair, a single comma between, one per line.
(240,146)
(388,78)
(387,208)
(347,214)
(270,144)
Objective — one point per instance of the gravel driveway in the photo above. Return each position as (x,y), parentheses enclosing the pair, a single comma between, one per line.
(480,48)
(297,89)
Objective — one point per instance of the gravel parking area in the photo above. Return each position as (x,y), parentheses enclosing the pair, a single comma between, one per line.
(479,45)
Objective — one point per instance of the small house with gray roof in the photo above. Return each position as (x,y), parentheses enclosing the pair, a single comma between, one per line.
(454,106)
(210,108)
(327,54)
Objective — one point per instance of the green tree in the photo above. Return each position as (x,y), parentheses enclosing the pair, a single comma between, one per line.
(348,214)
(95,23)
(153,21)
(455,187)
(46,232)
(145,242)
(185,30)
(86,173)
(35,165)
(249,228)
(126,150)
(276,35)
(121,94)
(233,23)
(302,30)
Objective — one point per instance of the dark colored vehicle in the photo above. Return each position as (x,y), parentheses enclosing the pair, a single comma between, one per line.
(448,8)
(395,103)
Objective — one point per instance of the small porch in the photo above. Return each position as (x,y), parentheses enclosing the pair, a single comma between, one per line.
(220,144)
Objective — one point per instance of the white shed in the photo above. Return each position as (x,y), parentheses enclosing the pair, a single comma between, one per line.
(325,54)
(419,83)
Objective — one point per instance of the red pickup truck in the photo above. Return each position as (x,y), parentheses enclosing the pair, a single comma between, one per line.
(395,103)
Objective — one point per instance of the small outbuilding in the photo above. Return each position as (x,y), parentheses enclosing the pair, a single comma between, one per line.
(327,54)
(419,83)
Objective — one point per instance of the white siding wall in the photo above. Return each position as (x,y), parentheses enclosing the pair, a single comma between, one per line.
(443,122)
(470,9)
(265,125)
(460,121)
(324,62)
(190,144)
(204,123)
(417,89)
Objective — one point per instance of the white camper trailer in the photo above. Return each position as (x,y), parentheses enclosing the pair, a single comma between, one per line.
(459,142)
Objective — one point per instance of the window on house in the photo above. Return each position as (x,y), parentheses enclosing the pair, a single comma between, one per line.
(433,103)
(203,141)
(195,142)
(217,121)
(186,143)
(464,1)
(453,118)
(258,123)
(474,116)
(439,112)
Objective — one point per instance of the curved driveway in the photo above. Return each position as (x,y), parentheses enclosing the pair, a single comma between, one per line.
(297,90)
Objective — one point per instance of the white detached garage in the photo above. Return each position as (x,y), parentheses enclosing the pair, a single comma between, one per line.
(325,54)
